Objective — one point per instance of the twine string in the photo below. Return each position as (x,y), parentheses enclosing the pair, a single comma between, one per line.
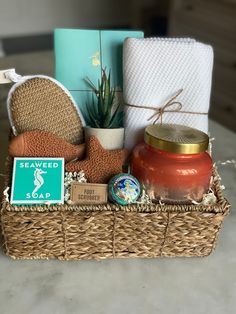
(170,106)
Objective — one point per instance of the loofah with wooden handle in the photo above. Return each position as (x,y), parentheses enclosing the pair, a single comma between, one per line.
(44,144)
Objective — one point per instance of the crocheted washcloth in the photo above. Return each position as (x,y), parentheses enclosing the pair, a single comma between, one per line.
(100,164)
(44,144)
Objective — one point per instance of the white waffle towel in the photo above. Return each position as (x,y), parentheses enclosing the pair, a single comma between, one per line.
(154,70)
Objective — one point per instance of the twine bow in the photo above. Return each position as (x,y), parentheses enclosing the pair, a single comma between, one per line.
(170,106)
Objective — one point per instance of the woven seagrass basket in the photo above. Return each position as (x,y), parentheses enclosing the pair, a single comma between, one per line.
(112,231)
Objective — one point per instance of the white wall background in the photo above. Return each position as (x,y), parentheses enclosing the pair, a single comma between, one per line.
(27,17)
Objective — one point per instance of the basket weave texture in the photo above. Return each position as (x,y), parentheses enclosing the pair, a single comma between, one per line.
(112,231)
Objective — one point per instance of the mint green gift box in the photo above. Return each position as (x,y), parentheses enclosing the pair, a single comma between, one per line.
(81,53)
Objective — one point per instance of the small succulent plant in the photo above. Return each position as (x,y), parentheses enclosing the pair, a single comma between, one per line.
(103,111)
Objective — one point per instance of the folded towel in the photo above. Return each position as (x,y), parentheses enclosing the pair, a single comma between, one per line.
(154,70)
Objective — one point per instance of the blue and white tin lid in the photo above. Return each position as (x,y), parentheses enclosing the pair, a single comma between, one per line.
(124,189)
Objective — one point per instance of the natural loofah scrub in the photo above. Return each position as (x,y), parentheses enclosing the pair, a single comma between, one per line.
(44,144)
(42,103)
(100,164)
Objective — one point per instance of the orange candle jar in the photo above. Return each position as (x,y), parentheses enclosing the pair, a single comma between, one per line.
(172,163)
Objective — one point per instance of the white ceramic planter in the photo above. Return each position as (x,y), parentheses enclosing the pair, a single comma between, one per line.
(109,138)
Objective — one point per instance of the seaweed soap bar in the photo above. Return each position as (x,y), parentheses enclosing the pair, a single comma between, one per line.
(38,181)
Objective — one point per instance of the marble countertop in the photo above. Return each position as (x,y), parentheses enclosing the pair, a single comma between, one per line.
(132,286)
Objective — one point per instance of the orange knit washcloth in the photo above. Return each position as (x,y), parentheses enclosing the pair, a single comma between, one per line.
(44,144)
(100,164)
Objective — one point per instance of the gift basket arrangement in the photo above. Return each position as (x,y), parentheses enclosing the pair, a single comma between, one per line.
(111,159)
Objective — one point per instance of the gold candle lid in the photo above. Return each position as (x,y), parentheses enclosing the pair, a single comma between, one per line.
(176,138)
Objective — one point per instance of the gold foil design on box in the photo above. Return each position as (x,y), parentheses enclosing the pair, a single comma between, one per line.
(96,59)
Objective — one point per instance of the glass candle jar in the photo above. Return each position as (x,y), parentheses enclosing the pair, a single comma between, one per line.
(172,163)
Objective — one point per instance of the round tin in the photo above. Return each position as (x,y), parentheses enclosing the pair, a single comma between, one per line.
(124,189)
